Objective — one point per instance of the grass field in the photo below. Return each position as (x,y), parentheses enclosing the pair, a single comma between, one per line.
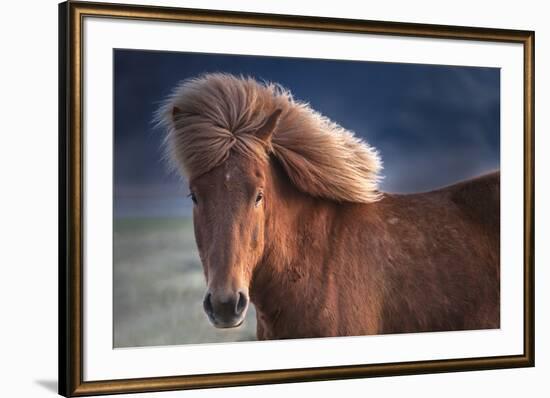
(159,286)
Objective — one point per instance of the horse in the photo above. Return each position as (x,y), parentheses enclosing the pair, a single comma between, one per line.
(288,216)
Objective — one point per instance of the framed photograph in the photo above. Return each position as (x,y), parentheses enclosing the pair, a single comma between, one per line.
(253,199)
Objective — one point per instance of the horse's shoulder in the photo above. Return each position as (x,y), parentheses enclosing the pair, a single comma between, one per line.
(483,190)
(479,198)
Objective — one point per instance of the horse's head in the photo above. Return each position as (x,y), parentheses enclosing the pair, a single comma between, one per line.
(229,220)
(221,136)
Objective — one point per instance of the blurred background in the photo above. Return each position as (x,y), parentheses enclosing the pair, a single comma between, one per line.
(433,125)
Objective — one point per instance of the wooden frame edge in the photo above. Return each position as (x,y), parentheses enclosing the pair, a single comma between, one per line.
(70,199)
(286,21)
(529,197)
(63,320)
(170,383)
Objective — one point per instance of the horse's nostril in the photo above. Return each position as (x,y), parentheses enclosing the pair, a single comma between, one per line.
(242,302)
(207,303)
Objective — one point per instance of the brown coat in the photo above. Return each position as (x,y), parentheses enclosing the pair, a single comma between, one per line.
(408,263)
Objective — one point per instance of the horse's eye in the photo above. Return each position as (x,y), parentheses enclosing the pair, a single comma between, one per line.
(259,198)
(193,198)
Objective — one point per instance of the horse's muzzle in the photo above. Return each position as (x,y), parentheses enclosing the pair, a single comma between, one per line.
(226,310)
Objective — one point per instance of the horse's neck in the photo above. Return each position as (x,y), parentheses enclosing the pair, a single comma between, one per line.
(296,229)
(296,236)
(296,222)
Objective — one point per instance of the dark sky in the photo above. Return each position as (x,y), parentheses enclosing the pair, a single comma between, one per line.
(432,124)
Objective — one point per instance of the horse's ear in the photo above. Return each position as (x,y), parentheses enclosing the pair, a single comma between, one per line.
(176,113)
(268,127)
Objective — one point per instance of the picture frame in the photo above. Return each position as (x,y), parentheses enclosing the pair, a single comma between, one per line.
(73,206)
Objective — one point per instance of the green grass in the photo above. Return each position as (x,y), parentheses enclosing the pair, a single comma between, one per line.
(159,286)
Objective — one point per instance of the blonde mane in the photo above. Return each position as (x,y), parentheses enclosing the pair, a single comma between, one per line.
(220,113)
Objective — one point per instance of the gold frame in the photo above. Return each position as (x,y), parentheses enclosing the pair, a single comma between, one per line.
(71,16)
